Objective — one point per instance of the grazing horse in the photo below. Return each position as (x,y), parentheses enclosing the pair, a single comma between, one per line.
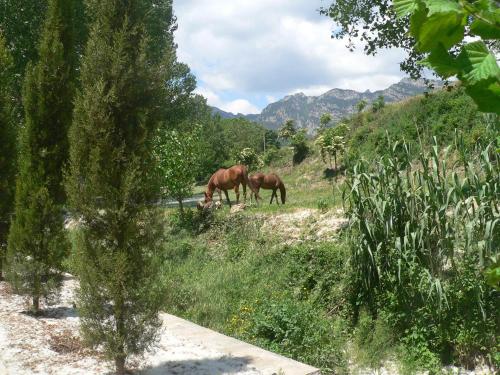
(225,179)
(269,181)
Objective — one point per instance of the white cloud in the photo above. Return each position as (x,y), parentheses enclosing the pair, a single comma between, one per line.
(240,106)
(234,106)
(248,48)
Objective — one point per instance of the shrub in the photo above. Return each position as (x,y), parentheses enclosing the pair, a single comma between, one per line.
(300,147)
(295,329)
(322,205)
(249,157)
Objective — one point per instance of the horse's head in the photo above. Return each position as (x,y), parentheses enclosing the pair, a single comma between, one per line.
(202,206)
(208,197)
(205,203)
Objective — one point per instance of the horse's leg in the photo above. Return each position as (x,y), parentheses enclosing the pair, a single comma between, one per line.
(220,195)
(245,193)
(237,192)
(227,197)
(272,197)
(276,197)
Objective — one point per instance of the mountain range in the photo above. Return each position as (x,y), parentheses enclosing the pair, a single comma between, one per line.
(307,110)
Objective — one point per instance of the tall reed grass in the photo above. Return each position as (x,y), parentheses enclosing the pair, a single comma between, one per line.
(422,233)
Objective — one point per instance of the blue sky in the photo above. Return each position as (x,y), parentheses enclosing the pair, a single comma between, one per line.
(249,53)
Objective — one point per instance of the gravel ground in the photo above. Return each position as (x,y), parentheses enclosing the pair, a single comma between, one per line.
(51,345)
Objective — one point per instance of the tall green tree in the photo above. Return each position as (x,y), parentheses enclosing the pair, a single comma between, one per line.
(378,103)
(7,147)
(361,105)
(22,23)
(178,155)
(297,139)
(332,143)
(37,243)
(288,130)
(113,178)
(300,147)
(271,139)
(214,147)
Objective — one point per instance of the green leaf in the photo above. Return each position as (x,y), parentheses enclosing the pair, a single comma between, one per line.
(417,19)
(441,62)
(478,63)
(405,7)
(441,28)
(488,25)
(442,6)
(486,95)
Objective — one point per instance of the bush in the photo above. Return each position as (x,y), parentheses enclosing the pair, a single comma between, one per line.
(250,158)
(300,147)
(192,221)
(322,205)
(295,329)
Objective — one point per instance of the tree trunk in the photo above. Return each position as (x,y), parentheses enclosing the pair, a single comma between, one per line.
(36,304)
(335,157)
(120,365)
(181,206)
(120,332)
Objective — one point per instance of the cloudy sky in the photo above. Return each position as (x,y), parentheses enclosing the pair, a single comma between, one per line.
(249,53)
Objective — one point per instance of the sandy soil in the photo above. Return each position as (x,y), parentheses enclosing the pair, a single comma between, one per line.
(306,225)
(51,345)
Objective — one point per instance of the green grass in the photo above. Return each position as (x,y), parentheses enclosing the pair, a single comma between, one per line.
(236,279)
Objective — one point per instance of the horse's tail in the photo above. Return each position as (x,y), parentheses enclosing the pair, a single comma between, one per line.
(282,192)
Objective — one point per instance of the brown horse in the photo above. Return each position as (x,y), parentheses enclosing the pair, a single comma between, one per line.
(225,179)
(269,181)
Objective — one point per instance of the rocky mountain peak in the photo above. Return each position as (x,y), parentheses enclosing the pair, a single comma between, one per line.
(307,110)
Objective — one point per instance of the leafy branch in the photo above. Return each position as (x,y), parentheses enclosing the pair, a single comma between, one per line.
(439,28)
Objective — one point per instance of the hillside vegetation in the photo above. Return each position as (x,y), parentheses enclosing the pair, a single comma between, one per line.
(294,279)
(417,121)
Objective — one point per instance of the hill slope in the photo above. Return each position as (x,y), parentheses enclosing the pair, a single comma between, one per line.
(418,120)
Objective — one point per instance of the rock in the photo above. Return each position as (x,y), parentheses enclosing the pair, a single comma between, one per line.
(238,207)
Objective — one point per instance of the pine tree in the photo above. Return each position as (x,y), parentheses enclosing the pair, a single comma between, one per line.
(37,243)
(113,180)
(7,147)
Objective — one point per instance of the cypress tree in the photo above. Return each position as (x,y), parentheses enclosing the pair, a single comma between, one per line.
(112,181)
(7,147)
(37,243)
